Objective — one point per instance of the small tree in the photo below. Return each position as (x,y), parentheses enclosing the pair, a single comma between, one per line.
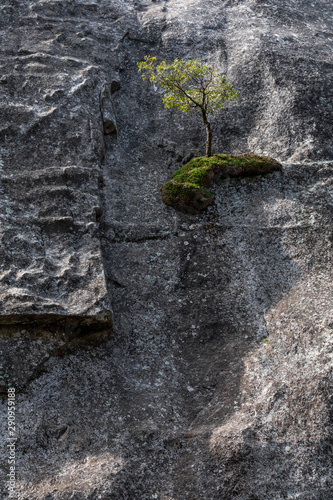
(190,86)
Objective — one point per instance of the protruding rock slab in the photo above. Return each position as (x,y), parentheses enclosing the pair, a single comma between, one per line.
(51,147)
(52,282)
(51,259)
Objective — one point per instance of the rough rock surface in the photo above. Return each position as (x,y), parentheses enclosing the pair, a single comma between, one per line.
(183,399)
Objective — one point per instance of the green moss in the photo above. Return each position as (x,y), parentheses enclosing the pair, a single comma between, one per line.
(187,189)
(246,162)
(177,193)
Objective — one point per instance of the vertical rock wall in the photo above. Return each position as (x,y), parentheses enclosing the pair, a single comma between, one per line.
(183,398)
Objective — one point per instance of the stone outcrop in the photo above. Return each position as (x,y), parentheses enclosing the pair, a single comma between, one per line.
(214,379)
(187,189)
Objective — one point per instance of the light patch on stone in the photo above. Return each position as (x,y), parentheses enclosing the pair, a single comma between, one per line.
(77,476)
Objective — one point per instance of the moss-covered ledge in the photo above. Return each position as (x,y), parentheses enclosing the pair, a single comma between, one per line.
(187,189)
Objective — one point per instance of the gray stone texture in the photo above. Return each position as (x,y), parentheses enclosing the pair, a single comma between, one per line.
(214,381)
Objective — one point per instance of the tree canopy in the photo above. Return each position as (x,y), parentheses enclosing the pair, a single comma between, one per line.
(190,86)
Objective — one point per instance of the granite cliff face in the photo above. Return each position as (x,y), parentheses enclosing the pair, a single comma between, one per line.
(133,334)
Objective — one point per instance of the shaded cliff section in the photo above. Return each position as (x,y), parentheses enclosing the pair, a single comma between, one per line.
(184,399)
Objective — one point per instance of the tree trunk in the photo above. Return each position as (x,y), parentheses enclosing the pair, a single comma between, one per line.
(209,135)
(208,140)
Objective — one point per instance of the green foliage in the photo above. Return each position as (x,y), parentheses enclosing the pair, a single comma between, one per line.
(188,85)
